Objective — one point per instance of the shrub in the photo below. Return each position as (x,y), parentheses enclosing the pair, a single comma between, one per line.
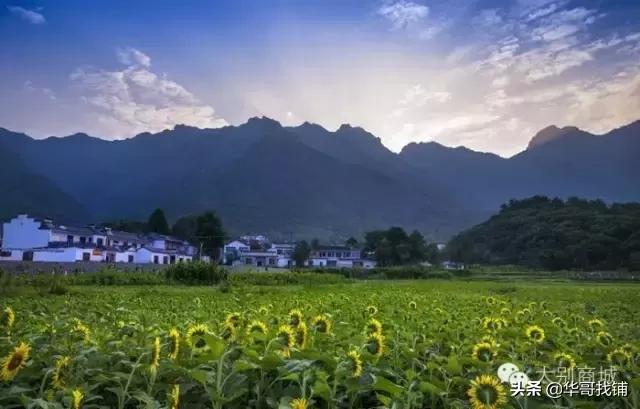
(285,278)
(194,273)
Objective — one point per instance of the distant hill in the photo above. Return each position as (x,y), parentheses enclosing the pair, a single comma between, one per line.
(555,234)
(306,181)
(559,162)
(22,191)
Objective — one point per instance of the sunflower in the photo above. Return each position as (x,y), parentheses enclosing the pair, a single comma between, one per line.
(487,392)
(595,324)
(233,319)
(263,310)
(7,318)
(82,330)
(413,305)
(535,334)
(61,364)
(604,338)
(353,357)
(286,336)
(295,317)
(77,396)
(229,332)
(520,316)
(484,352)
(154,362)
(619,357)
(174,397)
(559,322)
(373,327)
(564,360)
(375,344)
(492,324)
(256,326)
(302,335)
(195,335)
(371,310)
(322,324)
(15,361)
(174,343)
(505,311)
(490,300)
(299,403)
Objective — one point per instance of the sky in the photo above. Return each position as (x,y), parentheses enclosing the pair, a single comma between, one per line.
(486,75)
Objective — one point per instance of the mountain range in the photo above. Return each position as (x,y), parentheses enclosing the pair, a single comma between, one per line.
(305,181)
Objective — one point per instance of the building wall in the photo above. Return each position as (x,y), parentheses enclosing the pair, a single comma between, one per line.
(24,233)
(56,255)
(14,255)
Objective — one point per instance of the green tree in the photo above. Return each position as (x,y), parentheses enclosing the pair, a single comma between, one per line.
(301,253)
(157,222)
(351,242)
(210,233)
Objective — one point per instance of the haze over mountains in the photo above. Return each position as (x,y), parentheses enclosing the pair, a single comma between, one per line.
(305,181)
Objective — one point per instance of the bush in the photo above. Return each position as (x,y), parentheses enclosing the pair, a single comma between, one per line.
(112,276)
(285,278)
(194,273)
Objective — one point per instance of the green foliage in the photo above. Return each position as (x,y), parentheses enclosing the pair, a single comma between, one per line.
(553,234)
(102,341)
(301,252)
(205,228)
(394,247)
(157,222)
(112,276)
(284,278)
(195,273)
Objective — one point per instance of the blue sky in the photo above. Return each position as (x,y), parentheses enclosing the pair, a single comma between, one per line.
(483,74)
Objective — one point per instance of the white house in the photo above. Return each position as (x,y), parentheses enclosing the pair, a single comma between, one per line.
(30,239)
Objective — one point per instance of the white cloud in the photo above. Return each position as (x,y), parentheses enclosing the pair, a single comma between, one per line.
(31,16)
(132,56)
(403,13)
(417,97)
(135,99)
(47,92)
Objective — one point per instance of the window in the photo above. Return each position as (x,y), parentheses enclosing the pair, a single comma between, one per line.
(99,241)
(83,239)
(248,260)
(155,259)
(86,256)
(130,258)
(165,260)
(69,239)
(90,240)
(5,254)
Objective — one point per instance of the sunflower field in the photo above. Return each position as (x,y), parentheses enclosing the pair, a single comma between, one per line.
(435,344)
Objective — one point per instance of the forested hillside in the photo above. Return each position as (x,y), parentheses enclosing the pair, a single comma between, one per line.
(555,234)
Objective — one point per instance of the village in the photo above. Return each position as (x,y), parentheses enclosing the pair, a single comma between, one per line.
(30,239)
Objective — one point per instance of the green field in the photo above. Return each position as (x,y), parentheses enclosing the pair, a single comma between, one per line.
(318,346)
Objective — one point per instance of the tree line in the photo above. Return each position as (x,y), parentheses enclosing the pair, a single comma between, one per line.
(555,234)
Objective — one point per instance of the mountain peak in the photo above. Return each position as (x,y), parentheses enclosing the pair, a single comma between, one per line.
(550,133)
(263,120)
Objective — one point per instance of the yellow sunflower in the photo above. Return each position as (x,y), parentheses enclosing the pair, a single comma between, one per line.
(559,322)
(564,360)
(195,337)
(413,305)
(61,364)
(174,344)
(484,352)
(295,317)
(373,327)
(302,335)
(174,397)
(375,344)
(535,334)
(7,318)
(487,392)
(286,336)
(322,324)
(154,362)
(604,338)
(371,310)
(492,324)
(355,362)
(596,324)
(233,319)
(229,332)
(299,403)
(256,326)
(15,361)
(77,396)
(619,357)
(82,330)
